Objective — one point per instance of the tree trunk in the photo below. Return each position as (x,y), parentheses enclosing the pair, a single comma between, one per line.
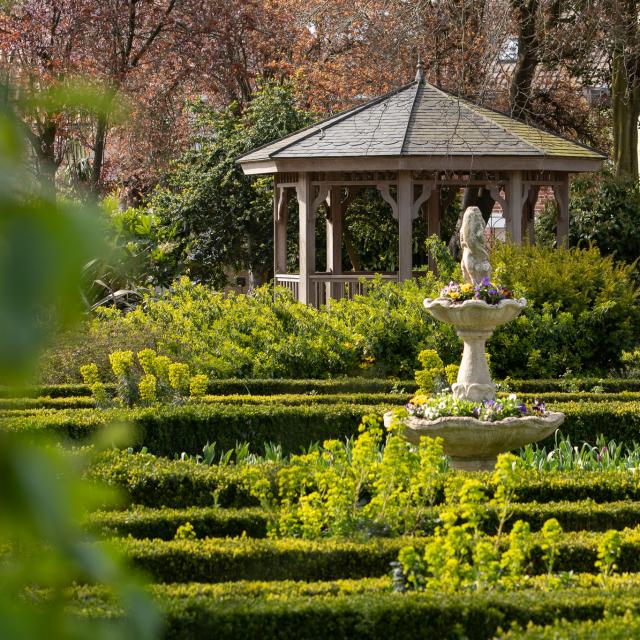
(528,58)
(46,154)
(625,90)
(98,153)
(351,249)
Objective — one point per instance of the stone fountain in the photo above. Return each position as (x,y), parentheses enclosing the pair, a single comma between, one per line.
(474,444)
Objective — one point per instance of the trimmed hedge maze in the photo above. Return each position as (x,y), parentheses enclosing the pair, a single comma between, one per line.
(166,430)
(226,579)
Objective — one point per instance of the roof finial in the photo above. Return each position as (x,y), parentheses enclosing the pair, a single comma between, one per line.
(419,70)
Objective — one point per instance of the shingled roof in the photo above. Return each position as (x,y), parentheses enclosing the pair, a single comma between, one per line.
(416,120)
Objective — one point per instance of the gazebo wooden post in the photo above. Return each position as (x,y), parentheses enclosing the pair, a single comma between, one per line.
(280,215)
(405,210)
(561,193)
(515,205)
(334,238)
(307,251)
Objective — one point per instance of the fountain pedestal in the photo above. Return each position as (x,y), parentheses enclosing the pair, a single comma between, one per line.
(474,379)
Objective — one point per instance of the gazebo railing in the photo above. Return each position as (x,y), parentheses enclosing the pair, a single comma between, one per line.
(326,286)
(289,281)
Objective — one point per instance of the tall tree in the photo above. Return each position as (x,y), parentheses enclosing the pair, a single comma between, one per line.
(624,32)
(210,216)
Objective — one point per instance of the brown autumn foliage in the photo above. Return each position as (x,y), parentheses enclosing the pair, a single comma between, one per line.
(153,55)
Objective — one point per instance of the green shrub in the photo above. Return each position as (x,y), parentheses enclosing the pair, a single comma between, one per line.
(169,429)
(208,522)
(362,609)
(185,532)
(241,386)
(432,374)
(582,315)
(143,522)
(375,485)
(224,559)
(609,628)
(582,312)
(604,209)
(157,482)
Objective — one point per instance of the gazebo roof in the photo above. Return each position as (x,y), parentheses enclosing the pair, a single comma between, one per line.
(418,120)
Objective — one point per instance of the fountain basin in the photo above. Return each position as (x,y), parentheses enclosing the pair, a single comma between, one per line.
(473,444)
(474,315)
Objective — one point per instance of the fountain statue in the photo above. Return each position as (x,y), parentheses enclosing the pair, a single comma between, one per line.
(474,443)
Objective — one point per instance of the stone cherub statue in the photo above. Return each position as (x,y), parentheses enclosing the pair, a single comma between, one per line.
(475,258)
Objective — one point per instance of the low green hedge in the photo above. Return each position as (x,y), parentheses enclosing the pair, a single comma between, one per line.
(241,386)
(225,559)
(343,610)
(156,482)
(553,397)
(47,402)
(51,390)
(609,385)
(584,515)
(143,522)
(159,482)
(387,399)
(82,402)
(208,522)
(167,429)
(598,486)
(609,628)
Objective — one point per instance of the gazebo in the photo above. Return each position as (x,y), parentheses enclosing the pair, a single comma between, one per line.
(408,144)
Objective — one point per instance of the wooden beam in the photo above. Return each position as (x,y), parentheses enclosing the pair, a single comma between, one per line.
(280,216)
(383,188)
(427,188)
(404,215)
(467,164)
(307,250)
(334,239)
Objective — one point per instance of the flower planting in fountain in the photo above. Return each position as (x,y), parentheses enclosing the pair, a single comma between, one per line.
(484,290)
(444,405)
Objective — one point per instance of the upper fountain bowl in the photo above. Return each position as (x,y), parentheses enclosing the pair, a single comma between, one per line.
(475,315)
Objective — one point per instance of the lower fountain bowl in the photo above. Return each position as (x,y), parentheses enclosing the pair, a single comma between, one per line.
(473,444)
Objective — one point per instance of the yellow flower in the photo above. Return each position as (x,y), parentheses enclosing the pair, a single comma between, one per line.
(466,288)
(454,294)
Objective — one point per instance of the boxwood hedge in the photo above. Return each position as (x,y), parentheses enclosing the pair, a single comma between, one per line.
(143,522)
(342,610)
(156,482)
(167,429)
